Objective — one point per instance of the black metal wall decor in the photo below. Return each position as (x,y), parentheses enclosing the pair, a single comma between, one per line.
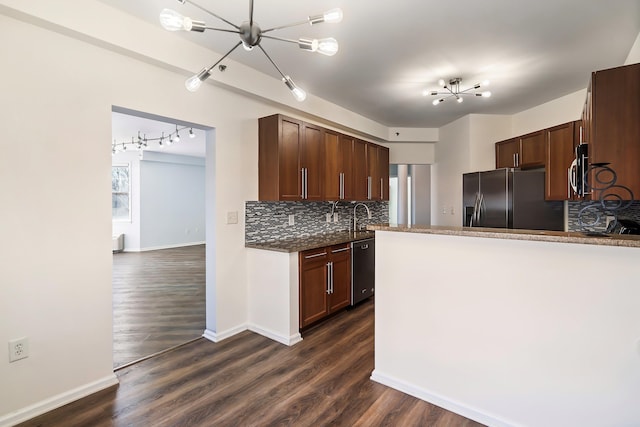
(609,204)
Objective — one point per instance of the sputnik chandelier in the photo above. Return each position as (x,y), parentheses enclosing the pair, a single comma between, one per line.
(453,90)
(142,142)
(250,37)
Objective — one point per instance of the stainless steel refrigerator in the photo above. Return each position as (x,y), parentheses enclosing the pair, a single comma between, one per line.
(509,198)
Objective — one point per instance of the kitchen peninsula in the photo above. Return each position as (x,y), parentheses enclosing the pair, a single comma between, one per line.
(510,327)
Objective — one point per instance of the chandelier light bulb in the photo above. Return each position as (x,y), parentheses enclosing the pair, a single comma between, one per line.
(437,101)
(176,138)
(485,83)
(333,16)
(328,46)
(459,100)
(247,47)
(441,83)
(174,21)
(486,94)
(193,83)
(299,94)
(191,134)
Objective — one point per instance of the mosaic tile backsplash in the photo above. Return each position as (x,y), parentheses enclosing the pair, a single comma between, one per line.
(632,213)
(268,221)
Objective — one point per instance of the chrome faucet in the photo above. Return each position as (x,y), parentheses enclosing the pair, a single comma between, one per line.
(355,218)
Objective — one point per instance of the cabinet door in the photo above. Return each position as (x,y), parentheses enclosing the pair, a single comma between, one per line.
(383,169)
(346,154)
(359,165)
(560,154)
(507,153)
(532,150)
(373,173)
(332,166)
(341,262)
(290,169)
(312,160)
(313,286)
(614,135)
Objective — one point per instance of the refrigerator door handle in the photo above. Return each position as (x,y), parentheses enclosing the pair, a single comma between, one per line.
(480,204)
(475,216)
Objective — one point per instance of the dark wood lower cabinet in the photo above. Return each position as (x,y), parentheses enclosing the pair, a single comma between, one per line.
(324,281)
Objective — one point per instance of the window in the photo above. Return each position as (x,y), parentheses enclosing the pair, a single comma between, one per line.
(120,193)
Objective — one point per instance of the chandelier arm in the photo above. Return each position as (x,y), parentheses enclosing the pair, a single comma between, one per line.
(212,14)
(285,26)
(223,30)
(282,39)
(225,55)
(271,60)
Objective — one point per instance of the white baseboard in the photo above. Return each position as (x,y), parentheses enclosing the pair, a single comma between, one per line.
(219,336)
(291,340)
(57,401)
(155,248)
(443,402)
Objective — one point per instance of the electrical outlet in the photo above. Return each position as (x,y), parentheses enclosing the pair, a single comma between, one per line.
(18,349)
(292,219)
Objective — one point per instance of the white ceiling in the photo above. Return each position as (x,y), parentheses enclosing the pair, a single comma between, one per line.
(531,51)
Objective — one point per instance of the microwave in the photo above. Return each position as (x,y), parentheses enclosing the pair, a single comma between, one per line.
(578,170)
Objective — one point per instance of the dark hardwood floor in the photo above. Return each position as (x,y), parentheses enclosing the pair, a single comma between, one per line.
(250,380)
(158,301)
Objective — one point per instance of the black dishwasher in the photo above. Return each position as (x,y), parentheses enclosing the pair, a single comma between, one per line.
(363,259)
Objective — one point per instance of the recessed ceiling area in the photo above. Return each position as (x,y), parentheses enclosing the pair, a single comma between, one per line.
(532,52)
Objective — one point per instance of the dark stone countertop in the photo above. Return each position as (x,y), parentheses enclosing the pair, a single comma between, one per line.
(624,240)
(311,242)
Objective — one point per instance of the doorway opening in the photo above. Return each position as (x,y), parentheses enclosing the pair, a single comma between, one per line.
(159,219)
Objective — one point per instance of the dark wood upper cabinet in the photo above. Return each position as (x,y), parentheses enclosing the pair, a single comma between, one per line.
(290,159)
(532,150)
(383,171)
(360,178)
(560,141)
(507,153)
(611,126)
(301,161)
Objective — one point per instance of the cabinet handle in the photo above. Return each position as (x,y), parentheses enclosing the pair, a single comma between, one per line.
(306,183)
(381,188)
(339,250)
(368,188)
(328,278)
(302,183)
(517,160)
(341,186)
(315,256)
(514,159)
(365,246)
(331,264)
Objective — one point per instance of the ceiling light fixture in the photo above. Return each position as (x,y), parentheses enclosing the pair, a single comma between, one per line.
(250,36)
(141,143)
(453,90)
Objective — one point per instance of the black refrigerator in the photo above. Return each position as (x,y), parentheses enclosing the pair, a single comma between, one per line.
(509,198)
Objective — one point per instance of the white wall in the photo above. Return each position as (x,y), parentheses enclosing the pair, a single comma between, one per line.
(452,160)
(476,326)
(485,131)
(561,110)
(634,53)
(411,153)
(172,201)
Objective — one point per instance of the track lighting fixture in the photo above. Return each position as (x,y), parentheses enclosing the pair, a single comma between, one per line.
(453,90)
(141,143)
(250,37)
